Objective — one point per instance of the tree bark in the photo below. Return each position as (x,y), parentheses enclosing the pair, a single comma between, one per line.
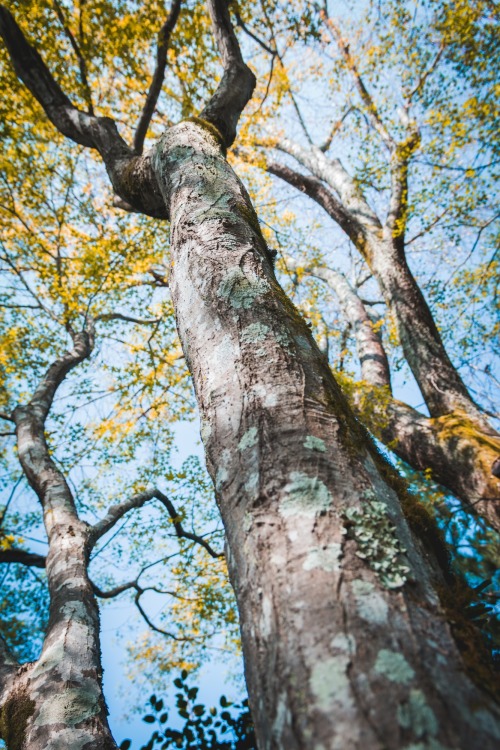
(57,701)
(458,444)
(316,536)
(346,642)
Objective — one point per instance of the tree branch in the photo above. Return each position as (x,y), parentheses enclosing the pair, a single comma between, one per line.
(333,173)
(366,98)
(371,353)
(127,318)
(44,394)
(158,76)
(78,53)
(14,555)
(132,176)
(137,501)
(315,189)
(237,83)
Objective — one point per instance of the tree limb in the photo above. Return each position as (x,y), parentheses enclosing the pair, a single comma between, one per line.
(366,98)
(158,76)
(14,555)
(371,353)
(137,501)
(237,83)
(78,53)
(132,176)
(336,176)
(127,318)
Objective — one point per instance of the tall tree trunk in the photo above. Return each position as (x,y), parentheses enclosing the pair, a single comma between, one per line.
(346,644)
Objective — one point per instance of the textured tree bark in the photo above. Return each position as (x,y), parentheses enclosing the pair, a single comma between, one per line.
(461,456)
(345,640)
(320,554)
(57,701)
(458,444)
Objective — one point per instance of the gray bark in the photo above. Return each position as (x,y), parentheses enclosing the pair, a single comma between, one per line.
(57,701)
(460,456)
(458,444)
(337,654)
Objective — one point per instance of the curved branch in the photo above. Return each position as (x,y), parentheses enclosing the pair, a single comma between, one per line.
(158,76)
(371,353)
(237,83)
(132,176)
(315,189)
(137,501)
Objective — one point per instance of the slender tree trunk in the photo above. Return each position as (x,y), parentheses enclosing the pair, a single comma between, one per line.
(345,642)
(57,702)
(458,444)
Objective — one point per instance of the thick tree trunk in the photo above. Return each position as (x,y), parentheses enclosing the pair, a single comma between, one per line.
(345,642)
(57,701)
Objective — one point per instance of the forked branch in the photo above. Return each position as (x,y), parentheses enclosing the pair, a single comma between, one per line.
(118,510)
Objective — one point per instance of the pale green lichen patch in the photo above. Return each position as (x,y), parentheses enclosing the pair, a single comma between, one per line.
(416,715)
(314,444)
(254,333)
(327,558)
(71,706)
(370,604)
(394,666)
(283,338)
(239,290)
(377,542)
(304,496)
(206,430)
(249,439)
(252,483)
(330,684)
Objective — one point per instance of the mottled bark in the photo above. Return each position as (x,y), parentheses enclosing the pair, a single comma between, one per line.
(345,643)
(464,447)
(460,456)
(57,701)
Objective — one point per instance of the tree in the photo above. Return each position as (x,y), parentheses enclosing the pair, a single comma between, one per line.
(324,546)
(456,440)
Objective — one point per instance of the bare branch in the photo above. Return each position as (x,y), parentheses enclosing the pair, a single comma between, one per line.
(137,501)
(237,83)
(115,591)
(158,76)
(14,555)
(315,189)
(78,52)
(7,417)
(128,318)
(252,35)
(46,389)
(334,130)
(333,173)
(116,512)
(425,75)
(366,98)
(372,356)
